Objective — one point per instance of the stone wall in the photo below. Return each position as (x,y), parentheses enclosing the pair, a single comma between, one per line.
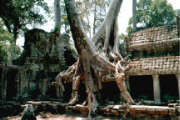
(155,65)
(33,72)
(153,39)
(178,25)
(154,52)
(8,81)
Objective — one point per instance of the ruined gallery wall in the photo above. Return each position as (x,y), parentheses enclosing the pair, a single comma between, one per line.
(155,38)
(21,81)
(150,66)
(33,72)
(155,65)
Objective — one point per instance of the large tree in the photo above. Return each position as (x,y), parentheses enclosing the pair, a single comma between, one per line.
(91,13)
(150,13)
(57,11)
(98,58)
(17,14)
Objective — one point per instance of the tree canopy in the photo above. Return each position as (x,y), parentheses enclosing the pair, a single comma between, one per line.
(17,14)
(5,35)
(91,13)
(98,58)
(151,13)
(8,50)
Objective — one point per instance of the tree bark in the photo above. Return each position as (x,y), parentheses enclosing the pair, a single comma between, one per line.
(134,15)
(57,11)
(91,63)
(94,22)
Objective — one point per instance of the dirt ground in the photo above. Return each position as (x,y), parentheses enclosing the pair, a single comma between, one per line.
(49,116)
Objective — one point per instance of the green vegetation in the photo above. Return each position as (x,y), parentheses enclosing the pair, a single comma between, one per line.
(17,14)
(152,13)
(8,50)
(14,17)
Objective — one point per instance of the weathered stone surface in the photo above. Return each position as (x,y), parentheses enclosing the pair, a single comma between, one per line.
(37,67)
(149,66)
(155,65)
(78,108)
(10,109)
(132,111)
(154,39)
(152,111)
(42,48)
(178,25)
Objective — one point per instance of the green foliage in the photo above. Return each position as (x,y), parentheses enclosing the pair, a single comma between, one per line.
(17,14)
(8,50)
(87,10)
(129,29)
(160,13)
(150,13)
(64,20)
(3,52)
(56,29)
(4,34)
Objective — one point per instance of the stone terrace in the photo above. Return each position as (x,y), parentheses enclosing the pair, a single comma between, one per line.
(155,65)
(155,38)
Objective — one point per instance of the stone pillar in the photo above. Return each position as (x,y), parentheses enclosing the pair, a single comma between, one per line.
(58,89)
(18,83)
(127,83)
(156,87)
(24,82)
(20,79)
(178,25)
(44,86)
(178,79)
(5,89)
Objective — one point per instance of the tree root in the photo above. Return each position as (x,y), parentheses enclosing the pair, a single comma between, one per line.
(100,76)
(93,65)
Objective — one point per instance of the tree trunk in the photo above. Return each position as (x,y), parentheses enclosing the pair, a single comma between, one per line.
(91,63)
(59,42)
(57,11)
(94,22)
(134,15)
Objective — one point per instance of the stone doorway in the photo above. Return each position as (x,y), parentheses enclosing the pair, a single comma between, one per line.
(168,87)
(110,92)
(11,84)
(141,87)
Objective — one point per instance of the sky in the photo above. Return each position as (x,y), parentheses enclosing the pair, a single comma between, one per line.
(124,15)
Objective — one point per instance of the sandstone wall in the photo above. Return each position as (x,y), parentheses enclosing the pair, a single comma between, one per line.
(156,65)
(37,67)
(153,39)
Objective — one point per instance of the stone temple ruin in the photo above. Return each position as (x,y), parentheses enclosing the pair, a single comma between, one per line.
(154,53)
(36,68)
